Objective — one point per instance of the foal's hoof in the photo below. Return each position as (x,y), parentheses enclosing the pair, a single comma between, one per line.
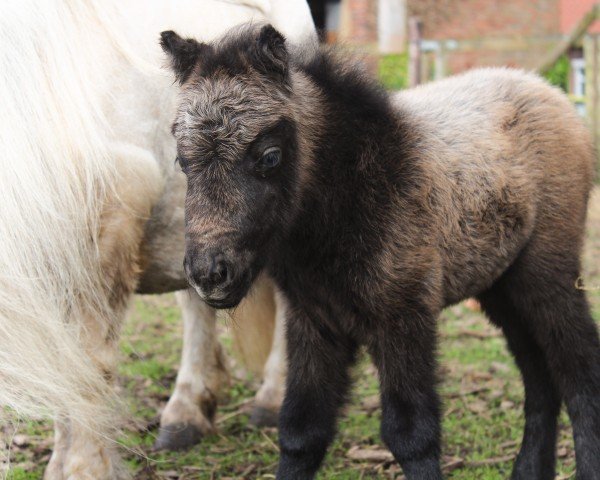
(177,436)
(264,417)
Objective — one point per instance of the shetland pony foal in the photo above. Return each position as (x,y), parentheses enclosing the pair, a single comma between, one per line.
(374,213)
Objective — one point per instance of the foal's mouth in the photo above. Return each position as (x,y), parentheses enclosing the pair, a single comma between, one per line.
(229,297)
(223,304)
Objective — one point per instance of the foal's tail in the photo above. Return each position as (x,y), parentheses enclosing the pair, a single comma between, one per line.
(54,176)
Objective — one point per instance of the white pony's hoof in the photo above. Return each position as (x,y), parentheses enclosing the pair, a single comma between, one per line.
(264,417)
(177,436)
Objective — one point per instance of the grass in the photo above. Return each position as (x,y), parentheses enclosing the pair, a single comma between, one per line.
(480,387)
(393,71)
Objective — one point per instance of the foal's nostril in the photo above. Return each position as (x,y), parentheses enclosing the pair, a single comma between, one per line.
(218,271)
(208,271)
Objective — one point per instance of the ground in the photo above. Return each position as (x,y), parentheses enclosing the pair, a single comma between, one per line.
(481,391)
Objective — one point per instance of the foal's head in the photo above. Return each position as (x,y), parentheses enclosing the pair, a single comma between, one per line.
(237,144)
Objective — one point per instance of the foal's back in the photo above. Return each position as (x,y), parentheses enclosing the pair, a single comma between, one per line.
(505,157)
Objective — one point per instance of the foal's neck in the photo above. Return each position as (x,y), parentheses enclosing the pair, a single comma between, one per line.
(355,128)
(356,151)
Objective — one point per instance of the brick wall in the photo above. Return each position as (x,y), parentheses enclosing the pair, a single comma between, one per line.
(517,33)
(468,19)
(571,11)
(491,32)
(358,23)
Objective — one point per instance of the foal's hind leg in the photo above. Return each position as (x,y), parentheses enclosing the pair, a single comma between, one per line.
(536,460)
(542,290)
(190,412)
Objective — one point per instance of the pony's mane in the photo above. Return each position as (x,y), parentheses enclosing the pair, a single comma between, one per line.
(339,73)
(342,76)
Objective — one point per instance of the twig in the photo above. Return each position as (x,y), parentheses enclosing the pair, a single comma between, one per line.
(475,334)
(275,447)
(229,416)
(489,461)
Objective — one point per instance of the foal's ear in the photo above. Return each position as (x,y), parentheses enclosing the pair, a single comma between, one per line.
(271,55)
(183,53)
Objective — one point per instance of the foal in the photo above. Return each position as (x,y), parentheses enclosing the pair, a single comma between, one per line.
(373,213)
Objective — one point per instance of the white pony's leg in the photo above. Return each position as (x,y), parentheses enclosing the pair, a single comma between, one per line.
(80,453)
(54,470)
(83,454)
(88,456)
(270,395)
(203,373)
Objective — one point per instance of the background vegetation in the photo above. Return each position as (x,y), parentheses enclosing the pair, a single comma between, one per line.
(393,71)
(558,75)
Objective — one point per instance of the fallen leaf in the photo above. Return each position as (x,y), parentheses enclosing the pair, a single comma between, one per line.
(371,403)
(562,452)
(499,367)
(369,455)
(20,440)
(477,406)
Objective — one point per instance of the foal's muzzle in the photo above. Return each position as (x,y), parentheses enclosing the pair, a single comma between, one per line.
(215,278)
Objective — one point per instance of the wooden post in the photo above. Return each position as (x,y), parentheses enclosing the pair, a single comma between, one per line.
(391,25)
(358,28)
(440,61)
(415,32)
(592,85)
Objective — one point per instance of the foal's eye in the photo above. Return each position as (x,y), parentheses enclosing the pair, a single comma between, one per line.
(270,158)
(181,163)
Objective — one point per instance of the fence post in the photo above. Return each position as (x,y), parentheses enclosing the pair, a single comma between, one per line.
(591,50)
(415,29)
(391,26)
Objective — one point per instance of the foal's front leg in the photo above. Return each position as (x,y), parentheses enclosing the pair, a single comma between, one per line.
(404,353)
(317,384)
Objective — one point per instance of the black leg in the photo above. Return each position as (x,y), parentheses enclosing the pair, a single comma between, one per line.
(558,316)
(410,426)
(537,457)
(573,351)
(317,385)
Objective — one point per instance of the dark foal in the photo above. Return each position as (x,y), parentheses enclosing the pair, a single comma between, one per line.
(374,212)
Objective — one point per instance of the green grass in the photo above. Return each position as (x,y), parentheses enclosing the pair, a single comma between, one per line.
(480,387)
(393,71)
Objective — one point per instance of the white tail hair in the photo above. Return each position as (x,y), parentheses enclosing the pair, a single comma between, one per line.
(252,325)
(55,173)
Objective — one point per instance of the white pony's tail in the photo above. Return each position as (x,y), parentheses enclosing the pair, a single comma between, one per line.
(54,175)
(253,324)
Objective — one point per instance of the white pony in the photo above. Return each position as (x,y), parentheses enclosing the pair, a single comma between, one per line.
(80,177)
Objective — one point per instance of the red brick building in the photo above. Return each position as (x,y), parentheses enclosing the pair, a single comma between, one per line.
(470,33)
(571,11)
(498,32)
